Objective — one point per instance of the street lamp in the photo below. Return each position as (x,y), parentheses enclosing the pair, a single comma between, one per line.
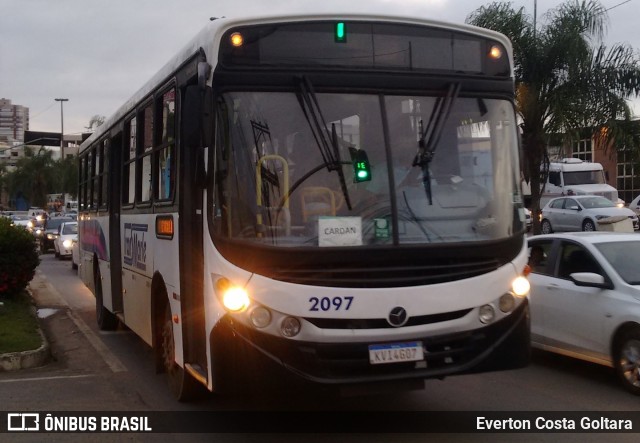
(61,100)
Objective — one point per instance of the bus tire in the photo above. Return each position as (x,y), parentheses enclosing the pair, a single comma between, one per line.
(182,385)
(107,321)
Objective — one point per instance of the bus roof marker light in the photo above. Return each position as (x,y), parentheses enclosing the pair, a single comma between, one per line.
(340,32)
(236,39)
(495,52)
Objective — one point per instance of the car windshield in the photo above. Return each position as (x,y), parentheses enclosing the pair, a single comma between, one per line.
(596,202)
(624,257)
(584,178)
(54,223)
(287,169)
(70,228)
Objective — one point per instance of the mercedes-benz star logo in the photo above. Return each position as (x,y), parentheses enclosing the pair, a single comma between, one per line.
(398,317)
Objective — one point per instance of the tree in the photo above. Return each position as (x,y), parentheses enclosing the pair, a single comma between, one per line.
(67,176)
(564,82)
(95,121)
(34,177)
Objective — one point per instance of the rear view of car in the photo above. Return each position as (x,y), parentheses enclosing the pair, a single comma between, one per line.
(67,234)
(50,232)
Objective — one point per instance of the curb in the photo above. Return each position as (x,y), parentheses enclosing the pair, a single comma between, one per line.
(14,361)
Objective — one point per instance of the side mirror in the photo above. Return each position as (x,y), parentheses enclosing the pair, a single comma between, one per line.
(590,279)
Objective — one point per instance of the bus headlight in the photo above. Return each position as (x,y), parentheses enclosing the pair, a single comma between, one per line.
(235,299)
(290,327)
(507,302)
(520,286)
(486,314)
(260,317)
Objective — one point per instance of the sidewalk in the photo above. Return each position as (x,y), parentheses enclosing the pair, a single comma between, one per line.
(58,331)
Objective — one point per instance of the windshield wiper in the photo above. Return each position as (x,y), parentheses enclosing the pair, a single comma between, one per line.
(326,142)
(430,135)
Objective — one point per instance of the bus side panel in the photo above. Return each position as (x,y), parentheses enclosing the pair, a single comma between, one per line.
(138,232)
(167,267)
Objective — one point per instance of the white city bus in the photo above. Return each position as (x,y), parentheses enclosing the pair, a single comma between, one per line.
(336,195)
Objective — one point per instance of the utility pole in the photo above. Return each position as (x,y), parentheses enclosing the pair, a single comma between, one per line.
(61,100)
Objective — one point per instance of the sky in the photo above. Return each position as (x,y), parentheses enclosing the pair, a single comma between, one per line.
(97,53)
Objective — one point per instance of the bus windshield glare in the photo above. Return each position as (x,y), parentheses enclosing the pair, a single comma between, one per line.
(285,174)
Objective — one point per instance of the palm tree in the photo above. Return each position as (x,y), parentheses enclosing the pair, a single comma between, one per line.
(564,81)
(34,177)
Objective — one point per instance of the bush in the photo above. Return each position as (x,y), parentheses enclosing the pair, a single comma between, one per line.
(18,258)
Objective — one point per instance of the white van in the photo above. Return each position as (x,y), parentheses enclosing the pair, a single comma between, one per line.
(572,176)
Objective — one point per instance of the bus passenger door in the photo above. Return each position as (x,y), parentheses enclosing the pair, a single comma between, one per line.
(191,231)
(114,221)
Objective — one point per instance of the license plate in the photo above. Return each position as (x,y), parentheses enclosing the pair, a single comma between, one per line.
(395,353)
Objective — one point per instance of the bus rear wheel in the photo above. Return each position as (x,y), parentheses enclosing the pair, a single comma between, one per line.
(182,385)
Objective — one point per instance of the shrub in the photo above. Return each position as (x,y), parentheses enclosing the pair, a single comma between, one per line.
(18,258)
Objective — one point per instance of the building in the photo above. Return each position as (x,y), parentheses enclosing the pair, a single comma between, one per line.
(14,120)
(619,165)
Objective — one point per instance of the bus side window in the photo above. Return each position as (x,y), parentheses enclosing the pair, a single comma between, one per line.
(166,150)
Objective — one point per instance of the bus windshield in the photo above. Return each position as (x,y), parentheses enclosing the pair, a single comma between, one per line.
(286,174)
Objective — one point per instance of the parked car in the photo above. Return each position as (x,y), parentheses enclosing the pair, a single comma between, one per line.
(67,232)
(635,205)
(50,232)
(585,299)
(581,213)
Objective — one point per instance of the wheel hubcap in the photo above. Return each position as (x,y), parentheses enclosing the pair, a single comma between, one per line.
(630,362)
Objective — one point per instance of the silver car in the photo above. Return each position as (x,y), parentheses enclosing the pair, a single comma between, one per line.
(585,299)
(582,213)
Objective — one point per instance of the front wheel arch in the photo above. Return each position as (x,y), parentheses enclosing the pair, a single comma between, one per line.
(626,356)
(589,225)
(181,384)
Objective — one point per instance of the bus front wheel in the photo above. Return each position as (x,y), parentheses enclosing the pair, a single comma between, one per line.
(182,385)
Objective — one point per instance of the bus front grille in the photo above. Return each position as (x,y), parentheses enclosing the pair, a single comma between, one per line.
(390,275)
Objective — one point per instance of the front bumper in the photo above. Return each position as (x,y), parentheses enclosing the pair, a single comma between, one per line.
(502,345)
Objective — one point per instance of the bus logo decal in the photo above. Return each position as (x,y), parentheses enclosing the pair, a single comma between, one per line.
(135,245)
(398,317)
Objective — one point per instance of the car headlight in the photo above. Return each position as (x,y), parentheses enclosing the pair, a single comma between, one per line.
(600,217)
(67,244)
(50,237)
